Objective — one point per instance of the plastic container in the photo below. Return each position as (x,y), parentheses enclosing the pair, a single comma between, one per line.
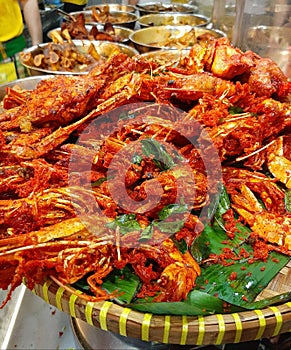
(264,27)
(223,16)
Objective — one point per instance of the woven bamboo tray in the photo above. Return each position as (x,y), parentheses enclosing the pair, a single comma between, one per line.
(184,330)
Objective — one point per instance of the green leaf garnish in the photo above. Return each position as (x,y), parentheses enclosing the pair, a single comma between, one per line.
(99,182)
(235,110)
(136,159)
(170,226)
(287,200)
(222,207)
(147,233)
(172,209)
(153,149)
(126,223)
(124,283)
(181,245)
(175,225)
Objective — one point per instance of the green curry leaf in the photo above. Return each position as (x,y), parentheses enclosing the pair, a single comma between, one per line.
(154,149)
(126,223)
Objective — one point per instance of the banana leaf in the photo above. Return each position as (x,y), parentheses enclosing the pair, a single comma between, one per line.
(241,291)
(277,299)
(213,241)
(240,282)
(200,303)
(124,283)
(197,303)
(288,200)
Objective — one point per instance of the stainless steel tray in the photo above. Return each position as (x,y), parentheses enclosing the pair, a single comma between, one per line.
(28,322)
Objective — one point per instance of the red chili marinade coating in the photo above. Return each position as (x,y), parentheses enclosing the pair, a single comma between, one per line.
(233,276)
(230,223)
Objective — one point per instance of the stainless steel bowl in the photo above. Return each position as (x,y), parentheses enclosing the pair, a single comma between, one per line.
(165,57)
(173,19)
(158,7)
(121,32)
(113,7)
(170,37)
(118,18)
(103,48)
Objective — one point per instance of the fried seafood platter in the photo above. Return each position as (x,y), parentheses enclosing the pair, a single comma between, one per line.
(141,183)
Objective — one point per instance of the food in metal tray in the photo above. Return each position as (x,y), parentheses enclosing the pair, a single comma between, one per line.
(59,57)
(76,57)
(186,40)
(157,19)
(103,15)
(171,37)
(152,7)
(79,31)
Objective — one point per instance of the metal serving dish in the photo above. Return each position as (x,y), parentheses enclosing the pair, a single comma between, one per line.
(158,7)
(118,18)
(173,19)
(103,48)
(112,7)
(165,57)
(171,37)
(121,32)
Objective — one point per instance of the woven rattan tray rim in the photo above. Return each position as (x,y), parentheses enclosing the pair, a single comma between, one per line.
(184,330)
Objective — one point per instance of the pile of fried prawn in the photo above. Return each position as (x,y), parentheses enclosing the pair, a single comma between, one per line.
(48,181)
